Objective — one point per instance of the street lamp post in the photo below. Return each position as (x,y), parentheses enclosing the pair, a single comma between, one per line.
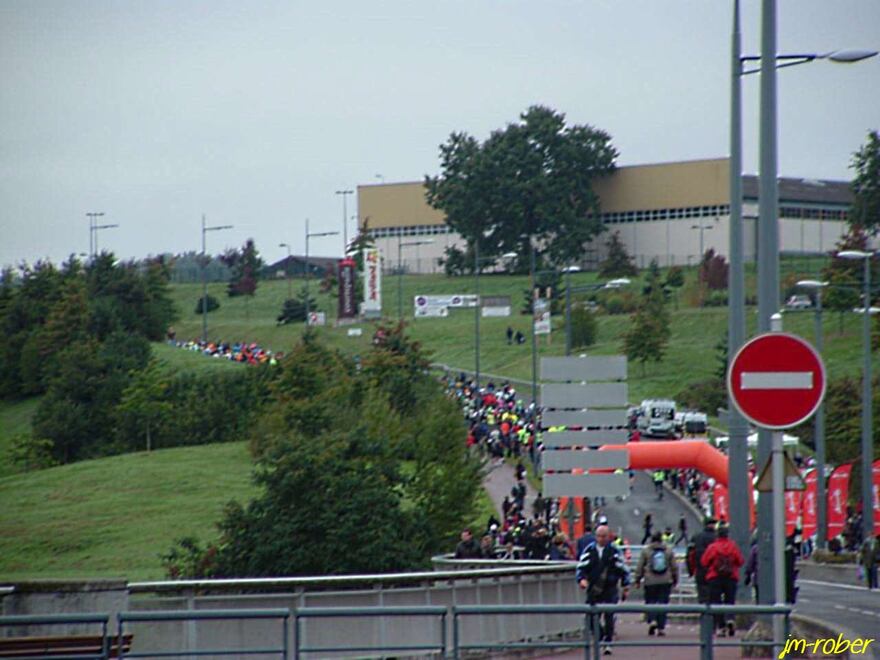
(345,194)
(205,230)
(819,425)
(768,263)
(534,338)
(93,220)
(867,431)
(287,268)
(400,247)
(308,236)
(477,308)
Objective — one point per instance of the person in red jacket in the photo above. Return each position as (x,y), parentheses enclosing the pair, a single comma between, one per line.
(722,561)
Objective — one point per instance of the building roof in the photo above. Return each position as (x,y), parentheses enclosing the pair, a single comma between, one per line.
(811,191)
(323,263)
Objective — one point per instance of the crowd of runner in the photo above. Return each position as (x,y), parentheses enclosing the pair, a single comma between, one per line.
(239,351)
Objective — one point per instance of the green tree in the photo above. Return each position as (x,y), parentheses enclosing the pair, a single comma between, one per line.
(845,276)
(865,211)
(584,327)
(246,265)
(649,332)
(618,263)
(294,310)
(143,407)
(531,180)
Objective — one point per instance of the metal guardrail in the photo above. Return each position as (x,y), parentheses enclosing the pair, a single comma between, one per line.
(208,615)
(590,640)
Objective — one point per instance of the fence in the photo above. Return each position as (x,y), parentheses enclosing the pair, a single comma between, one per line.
(429,638)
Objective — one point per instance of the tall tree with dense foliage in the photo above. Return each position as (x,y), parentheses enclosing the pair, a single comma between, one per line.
(246,265)
(618,263)
(531,180)
(649,331)
(865,211)
(371,461)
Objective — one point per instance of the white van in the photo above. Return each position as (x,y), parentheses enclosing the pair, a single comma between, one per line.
(657,418)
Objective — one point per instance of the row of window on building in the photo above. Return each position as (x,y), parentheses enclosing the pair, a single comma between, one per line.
(648,215)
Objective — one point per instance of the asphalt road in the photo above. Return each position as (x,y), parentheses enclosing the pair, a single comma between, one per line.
(626,517)
(854,608)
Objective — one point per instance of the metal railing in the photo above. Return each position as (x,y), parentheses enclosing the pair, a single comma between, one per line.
(358,612)
(26,620)
(446,645)
(282,614)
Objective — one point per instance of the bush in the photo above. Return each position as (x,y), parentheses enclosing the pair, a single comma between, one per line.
(29,453)
(715,299)
(213,304)
(829,557)
(583,327)
(617,303)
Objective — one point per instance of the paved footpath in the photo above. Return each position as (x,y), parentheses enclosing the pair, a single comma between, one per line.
(498,482)
(630,628)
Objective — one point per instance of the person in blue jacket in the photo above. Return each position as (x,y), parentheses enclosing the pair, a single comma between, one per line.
(601,570)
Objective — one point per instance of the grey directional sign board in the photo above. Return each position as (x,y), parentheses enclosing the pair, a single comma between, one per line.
(585,438)
(592,396)
(565,484)
(587,369)
(585,418)
(583,395)
(571,459)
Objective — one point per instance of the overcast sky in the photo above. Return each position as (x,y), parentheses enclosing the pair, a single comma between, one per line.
(255,112)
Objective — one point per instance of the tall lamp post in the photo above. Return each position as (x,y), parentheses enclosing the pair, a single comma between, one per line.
(867,431)
(768,263)
(477,308)
(205,230)
(819,424)
(308,236)
(93,220)
(701,227)
(345,194)
(287,268)
(400,247)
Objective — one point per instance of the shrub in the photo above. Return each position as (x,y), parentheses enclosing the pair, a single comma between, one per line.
(715,299)
(29,453)
(213,304)
(583,327)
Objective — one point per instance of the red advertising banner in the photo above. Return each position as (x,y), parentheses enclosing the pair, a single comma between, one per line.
(838,490)
(792,510)
(808,504)
(347,303)
(875,473)
(721,502)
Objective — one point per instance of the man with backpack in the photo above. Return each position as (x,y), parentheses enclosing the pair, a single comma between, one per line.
(659,571)
(722,561)
(601,568)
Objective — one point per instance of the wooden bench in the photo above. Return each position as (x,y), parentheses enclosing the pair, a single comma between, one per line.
(62,645)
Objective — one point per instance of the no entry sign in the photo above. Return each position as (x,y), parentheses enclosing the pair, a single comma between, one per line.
(776,380)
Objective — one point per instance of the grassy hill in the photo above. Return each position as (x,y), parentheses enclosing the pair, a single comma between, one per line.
(691,355)
(115,516)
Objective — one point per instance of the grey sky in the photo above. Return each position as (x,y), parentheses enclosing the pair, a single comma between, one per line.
(256,112)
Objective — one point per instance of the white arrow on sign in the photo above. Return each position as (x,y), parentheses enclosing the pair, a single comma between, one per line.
(776,380)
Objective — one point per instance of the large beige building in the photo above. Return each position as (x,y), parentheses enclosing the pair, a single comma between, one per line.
(666,211)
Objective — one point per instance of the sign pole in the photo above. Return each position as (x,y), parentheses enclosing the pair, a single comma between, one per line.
(778,517)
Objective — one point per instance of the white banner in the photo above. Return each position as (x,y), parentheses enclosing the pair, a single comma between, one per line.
(317,318)
(452,300)
(542,323)
(496,311)
(372,282)
(432,310)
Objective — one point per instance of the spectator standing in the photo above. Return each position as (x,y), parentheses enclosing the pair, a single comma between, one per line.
(722,561)
(468,548)
(695,556)
(659,571)
(869,558)
(585,540)
(601,568)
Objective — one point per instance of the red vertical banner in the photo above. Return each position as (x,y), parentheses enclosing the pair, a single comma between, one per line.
(875,474)
(721,502)
(347,303)
(808,504)
(792,510)
(838,491)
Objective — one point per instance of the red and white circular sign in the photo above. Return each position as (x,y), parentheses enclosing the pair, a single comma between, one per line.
(776,380)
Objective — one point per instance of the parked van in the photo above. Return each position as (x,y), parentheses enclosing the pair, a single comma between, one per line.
(657,418)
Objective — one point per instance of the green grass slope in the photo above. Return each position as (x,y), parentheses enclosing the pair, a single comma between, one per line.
(113,517)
